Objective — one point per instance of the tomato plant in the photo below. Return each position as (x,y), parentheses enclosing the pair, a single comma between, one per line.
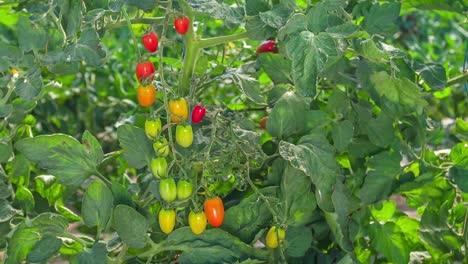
(178,110)
(184,135)
(197,222)
(198,113)
(145,72)
(150,41)
(168,189)
(153,127)
(274,237)
(214,211)
(166,220)
(184,189)
(181,25)
(159,167)
(146,95)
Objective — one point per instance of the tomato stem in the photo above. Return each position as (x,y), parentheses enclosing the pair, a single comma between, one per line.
(214,41)
(130,29)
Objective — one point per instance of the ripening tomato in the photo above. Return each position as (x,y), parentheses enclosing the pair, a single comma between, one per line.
(178,110)
(167,219)
(263,122)
(181,25)
(146,95)
(168,189)
(161,147)
(150,41)
(184,135)
(145,72)
(184,189)
(273,239)
(198,113)
(159,167)
(214,211)
(153,128)
(197,222)
(267,46)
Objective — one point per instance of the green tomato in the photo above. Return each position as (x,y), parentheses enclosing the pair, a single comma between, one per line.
(184,135)
(275,237)
(153,128)
(159,167)
(167,220)
(168,189)
(161,147)
(184,189)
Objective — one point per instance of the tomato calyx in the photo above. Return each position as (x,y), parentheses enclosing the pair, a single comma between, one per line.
(150,41)
(267,46)
(181,25)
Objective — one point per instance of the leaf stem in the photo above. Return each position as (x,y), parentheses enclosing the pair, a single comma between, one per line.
(102,178)
(214,41)
(261,196)
(458,79)
(130,29)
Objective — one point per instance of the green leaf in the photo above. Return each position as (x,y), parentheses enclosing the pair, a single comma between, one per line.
(298,241)
(459,155)
(97,205)
(277,67)
(384,211)
(253,7)
(212,246)
(93,147)
(25,198)
(389,240)
(277,17)
(7,211)
(87,49)
(121,195)
(248,86)
(381,19)
(433,74)
(325,14)
(338,102)
(137,148)
(97,255)
(460,176)
(30,36)
(250,216)
(62,155)
(454,6)
(380,130)
(142,4)
(6,150)
(49,188)
(230,14)
(71,17)
(131,226)
(309,54)
(342,134)
(44,249)
(20,170)
(29,86)
(343,30)
(25,235)
(296,196)
(399,91)
(258,30)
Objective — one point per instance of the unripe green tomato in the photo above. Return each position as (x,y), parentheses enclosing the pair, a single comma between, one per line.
(273,239)
(184,135)
(153,128)
(168,189)
(161,147)
(159,167)
(167,219)
(184,189)
(197,222)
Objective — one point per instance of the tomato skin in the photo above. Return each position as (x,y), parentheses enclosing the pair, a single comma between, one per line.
(153,128)
(198,113)
(167,219)
(178,110)
(145,71)
(146,95)
(161,147)
(181,25)
(263,122)
(267,46)
(168,189)
(159,167)
(273,239)
(214,210)
(184,135)
(184,189)
(197,222)
(150,41)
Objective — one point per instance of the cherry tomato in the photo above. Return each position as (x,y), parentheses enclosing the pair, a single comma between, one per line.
(145,72)
(153,128)
(146,95)
(178,110)
(167,219)
(273,239)
(197,222)
(181,25)
(198,113)
(267,46)
(159,167)
(161,147)
(150,41)
(184,135)
(168,189)
(184,189)
(263,122)
(214,210)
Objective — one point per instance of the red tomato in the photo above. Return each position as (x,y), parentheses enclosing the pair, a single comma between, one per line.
(263,122)
(214,210)
(198,113)
(267,46)
(181,25)
(145,71)
(150,41)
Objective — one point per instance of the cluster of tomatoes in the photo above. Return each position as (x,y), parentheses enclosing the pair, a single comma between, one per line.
(178,109)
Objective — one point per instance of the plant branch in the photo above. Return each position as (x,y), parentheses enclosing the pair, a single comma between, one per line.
(458,79)
(129,24)
(210,42)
